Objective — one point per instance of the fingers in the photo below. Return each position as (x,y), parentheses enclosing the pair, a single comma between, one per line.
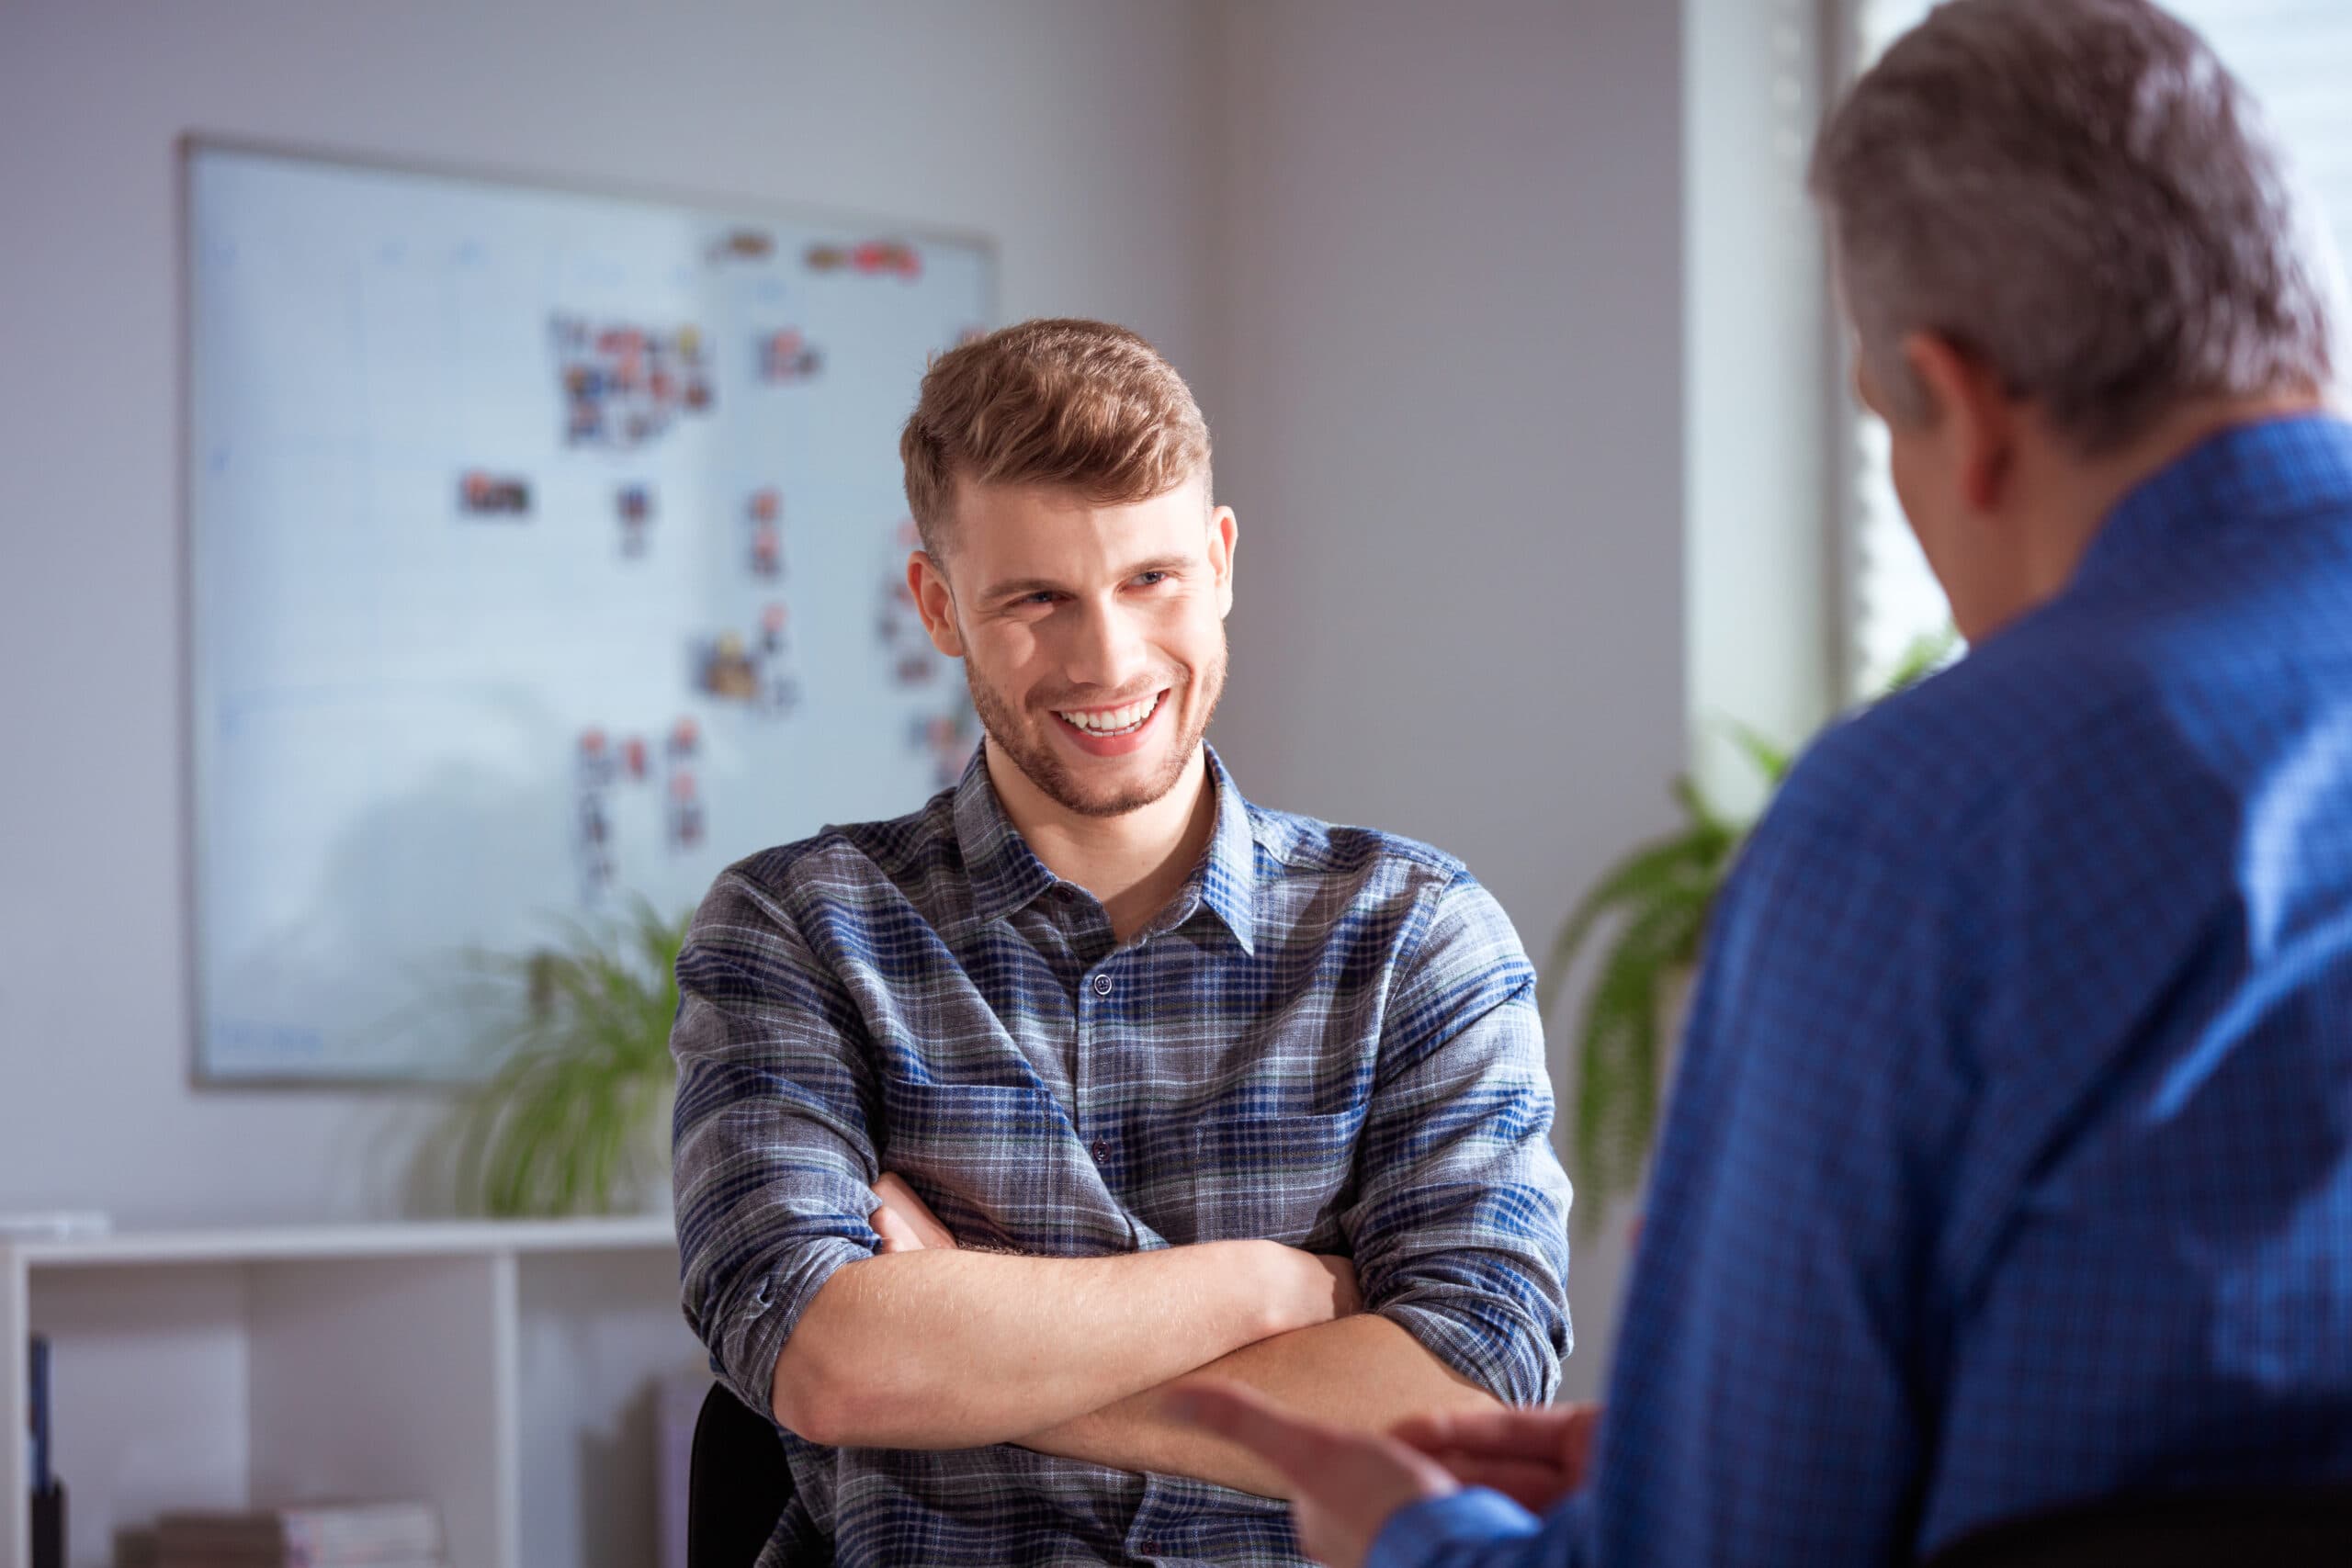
(894,1192)
(1347,1484)
(1496,1434)
(916,1222)
(1534,1484)
(1297,1449)
(1347,1295)
(1576,1452)
(896,1234)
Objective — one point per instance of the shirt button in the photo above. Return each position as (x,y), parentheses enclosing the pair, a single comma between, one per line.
(1102,985)
(1101,1150)
(1150,1547)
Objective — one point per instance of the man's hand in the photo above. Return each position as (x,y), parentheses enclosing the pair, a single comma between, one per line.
(1344,1485)
(1327,1287)
(905,1221)
(1533,1457)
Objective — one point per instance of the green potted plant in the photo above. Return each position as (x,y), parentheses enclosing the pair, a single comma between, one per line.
(1653,904)
(575,1119)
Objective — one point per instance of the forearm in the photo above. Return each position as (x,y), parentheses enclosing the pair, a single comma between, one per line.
(1361,1373)
(944,1349)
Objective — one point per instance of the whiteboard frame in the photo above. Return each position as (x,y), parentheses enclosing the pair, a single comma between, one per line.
(188,146)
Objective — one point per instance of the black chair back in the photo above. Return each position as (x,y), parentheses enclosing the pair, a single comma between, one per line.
(2286,1528)
(737,1483)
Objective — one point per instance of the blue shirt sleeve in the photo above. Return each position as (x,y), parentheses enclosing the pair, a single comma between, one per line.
(1772,1400)
(1472,1525)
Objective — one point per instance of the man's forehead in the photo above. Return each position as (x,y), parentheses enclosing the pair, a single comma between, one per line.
(1023,520)
(1001,498)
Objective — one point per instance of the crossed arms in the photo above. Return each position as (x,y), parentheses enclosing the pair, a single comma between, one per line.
(800,1277)
(928,1346)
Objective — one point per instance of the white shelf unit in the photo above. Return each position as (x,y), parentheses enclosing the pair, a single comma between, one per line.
(507,1373)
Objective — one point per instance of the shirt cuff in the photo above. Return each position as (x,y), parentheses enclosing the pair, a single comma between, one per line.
(749,1346)
(1510,1360)
(1415,1534)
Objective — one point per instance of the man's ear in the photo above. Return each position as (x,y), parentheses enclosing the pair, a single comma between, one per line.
(1225,531)
(1976,419)
(927,581)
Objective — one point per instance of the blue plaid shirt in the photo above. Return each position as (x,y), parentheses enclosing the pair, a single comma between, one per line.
(1327,1040)
(2010,1162)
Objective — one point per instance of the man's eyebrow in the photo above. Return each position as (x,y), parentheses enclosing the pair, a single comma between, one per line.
(1019,587)
(1013,588)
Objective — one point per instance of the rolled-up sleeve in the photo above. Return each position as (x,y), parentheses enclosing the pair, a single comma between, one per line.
(771,1161)
(1460,1225)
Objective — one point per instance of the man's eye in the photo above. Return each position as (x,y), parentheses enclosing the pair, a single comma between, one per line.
(1043,596)
(1152,579)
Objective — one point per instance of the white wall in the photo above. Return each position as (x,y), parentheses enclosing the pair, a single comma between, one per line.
(1454,432)
(1081,134)
(1423,262)
(1757,356)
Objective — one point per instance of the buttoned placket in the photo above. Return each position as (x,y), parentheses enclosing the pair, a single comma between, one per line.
(1093,990)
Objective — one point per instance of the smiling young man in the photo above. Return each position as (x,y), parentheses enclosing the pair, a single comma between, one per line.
(995,1119)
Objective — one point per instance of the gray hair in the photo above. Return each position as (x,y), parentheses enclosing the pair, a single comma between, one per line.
(2079,193)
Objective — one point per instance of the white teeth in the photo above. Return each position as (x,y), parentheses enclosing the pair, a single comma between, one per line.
(1113,721)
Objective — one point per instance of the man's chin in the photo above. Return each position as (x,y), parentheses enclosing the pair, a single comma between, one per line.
(1100,796)
(1111,786)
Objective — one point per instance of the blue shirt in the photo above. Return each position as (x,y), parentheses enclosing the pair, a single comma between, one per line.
(1327,1039)
(2010,1160)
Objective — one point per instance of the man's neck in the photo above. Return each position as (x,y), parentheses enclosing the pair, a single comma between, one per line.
(1133,863)
(2096,489)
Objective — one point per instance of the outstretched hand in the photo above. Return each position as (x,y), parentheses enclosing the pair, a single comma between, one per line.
(1346,1484)
(1533,1457)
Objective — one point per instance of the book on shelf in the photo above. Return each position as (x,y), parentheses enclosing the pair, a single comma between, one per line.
(310,1534)
(37,1451)
(47,1515)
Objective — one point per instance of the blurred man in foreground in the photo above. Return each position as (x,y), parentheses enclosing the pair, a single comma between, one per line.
(2010,1165)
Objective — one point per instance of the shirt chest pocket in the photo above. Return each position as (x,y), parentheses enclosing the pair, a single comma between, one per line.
(1273,1178)
(992,1162)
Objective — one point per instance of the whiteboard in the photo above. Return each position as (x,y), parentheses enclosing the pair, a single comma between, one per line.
(546,550)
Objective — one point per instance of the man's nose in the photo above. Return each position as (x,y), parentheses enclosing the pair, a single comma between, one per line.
(1106,650)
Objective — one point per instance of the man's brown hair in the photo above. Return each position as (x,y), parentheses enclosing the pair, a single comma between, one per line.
(1081,405)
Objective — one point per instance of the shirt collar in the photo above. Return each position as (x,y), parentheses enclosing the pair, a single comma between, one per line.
(2266,472)
(1227,878)
(1006,875)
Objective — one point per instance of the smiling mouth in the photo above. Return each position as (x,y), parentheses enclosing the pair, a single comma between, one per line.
(1112,722)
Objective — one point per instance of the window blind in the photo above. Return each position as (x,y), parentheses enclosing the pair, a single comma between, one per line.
(2296,58)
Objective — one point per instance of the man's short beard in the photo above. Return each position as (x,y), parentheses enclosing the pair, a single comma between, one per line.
(1039,764)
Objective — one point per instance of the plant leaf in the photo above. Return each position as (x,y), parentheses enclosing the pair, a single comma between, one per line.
(1771,760)
(585,1056)
(1689,859)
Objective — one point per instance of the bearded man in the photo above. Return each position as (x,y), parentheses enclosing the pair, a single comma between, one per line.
(996,1120)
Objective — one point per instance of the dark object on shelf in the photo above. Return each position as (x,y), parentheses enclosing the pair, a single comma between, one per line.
(37,1410)
(737,1486)
(49,1526)
(48,1495)
(2278,1528)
